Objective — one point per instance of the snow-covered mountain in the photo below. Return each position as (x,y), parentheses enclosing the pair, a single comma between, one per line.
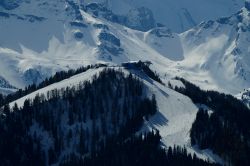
(177,15)
(41,37)
(220,50)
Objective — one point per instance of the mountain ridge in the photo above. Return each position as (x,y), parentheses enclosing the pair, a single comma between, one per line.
(73,35)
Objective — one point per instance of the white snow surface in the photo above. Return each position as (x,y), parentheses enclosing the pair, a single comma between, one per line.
(73,81)
(213,54)
(31,50)
(174,120)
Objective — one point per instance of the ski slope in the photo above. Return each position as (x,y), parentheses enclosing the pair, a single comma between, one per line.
(72,81)
(174,118)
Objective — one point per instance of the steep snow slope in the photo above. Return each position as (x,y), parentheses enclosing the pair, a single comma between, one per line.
(218,51)
(165,43)
(39,38)
(44,44)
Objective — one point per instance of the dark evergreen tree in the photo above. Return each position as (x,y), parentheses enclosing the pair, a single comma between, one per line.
(226,130)
(57,120)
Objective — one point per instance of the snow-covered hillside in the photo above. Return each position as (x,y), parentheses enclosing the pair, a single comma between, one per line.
(174,119)
(73,81)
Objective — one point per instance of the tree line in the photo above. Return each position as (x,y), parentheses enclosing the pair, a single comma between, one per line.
(143,66)
(226,130)
(142,149)
(74,120)
(59,76)
(93,123)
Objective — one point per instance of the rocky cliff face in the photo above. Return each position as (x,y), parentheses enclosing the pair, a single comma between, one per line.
(176,15)
(247,4)
(10,4)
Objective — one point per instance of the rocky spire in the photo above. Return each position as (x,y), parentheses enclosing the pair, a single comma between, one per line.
(247,4)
